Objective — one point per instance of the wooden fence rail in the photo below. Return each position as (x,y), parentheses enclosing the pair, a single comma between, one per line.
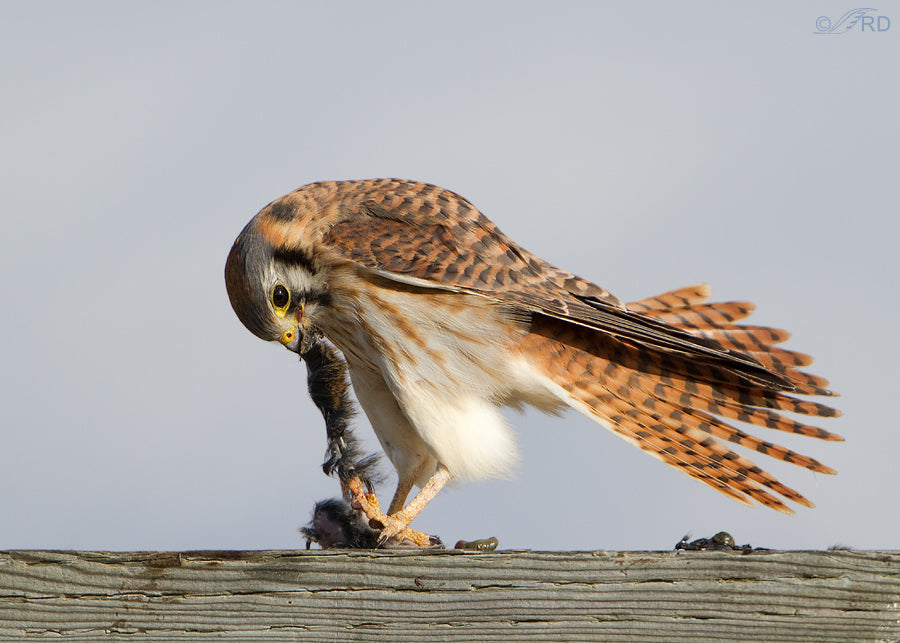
(341,595)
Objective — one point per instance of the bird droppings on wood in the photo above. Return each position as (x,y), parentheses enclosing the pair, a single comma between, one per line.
(722,541)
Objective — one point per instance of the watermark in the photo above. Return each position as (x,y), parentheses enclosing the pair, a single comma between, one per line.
(854,20)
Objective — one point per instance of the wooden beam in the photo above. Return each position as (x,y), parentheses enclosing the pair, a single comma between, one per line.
(343,595)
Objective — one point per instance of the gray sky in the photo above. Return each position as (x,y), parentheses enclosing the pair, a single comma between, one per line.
(643,146)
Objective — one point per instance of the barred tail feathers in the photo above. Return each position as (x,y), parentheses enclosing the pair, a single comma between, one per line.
(676,410)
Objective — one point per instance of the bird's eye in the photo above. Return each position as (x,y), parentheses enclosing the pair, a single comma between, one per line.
(281,298)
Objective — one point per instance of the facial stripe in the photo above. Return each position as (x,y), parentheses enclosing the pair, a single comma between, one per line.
(295,258)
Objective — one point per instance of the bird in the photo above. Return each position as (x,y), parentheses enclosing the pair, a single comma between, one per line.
(441,320)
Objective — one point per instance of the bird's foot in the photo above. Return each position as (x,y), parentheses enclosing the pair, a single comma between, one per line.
(398,530)
(394,527)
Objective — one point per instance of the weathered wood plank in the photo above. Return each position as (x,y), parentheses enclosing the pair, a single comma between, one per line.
(450,596)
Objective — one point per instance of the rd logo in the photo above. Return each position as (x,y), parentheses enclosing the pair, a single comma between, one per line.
(855,19)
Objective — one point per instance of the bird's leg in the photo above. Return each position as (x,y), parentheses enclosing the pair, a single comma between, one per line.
(400,519)
(400,495)
(368,503)
(370,506)
(396,524)
(404,486)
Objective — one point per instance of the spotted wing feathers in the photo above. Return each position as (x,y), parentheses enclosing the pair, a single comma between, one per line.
(418,231)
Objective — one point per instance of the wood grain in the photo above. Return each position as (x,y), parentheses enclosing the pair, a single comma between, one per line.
(450,596)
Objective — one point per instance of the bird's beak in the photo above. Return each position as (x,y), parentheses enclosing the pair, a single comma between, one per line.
(299,340)
(292,339)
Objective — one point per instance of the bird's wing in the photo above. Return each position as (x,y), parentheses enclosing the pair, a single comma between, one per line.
(664,373)
(420,233)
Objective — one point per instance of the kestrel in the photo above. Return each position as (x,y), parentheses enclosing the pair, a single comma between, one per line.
(442,320)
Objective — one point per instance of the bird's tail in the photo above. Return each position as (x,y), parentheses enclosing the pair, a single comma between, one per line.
(674,407)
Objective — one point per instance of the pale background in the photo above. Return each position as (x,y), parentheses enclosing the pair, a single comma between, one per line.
(642,145)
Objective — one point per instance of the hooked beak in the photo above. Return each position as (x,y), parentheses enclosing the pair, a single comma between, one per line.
(292,339)
(297,340)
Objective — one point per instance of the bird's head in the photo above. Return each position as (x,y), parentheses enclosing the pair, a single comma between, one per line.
(276,291)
